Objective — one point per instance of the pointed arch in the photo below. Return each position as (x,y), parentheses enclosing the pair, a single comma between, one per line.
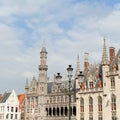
(81,104)
(99,104)
(90,104)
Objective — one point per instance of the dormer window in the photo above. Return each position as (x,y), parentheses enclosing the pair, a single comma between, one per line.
(91,85)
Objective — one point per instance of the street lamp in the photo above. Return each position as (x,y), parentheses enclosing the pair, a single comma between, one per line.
(68,91)
(81,80)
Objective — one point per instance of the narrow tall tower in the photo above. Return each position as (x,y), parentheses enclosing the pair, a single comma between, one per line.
(43,71)
(77,67)
(105,69)
(42,82)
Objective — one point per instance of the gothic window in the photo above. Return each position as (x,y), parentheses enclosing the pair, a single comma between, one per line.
(99,103)
(81,118)
(113,102)
(62,111)
(74,110)
(11,109)
(81,105)
(54,111)
(114,117)
(66,111)
(91,85)
(51,100)
(90,104)
(50,111)
(57,111)
(90,117)
(100,117)
(112,83)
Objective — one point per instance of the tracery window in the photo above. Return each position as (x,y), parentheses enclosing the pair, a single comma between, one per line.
(113,102)
(90,104)
(99,103)
(91,85)
(81,105)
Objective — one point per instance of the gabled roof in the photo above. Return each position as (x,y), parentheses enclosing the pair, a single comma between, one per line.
(5,97)
(21,98)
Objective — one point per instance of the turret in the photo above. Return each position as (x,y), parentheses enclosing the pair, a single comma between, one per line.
(77,67)
(105,69)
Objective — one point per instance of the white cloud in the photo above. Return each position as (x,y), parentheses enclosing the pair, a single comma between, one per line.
(68,28)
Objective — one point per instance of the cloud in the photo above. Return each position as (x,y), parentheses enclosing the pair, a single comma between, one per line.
(69,29)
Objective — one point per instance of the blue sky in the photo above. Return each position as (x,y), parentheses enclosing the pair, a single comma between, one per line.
(69,28)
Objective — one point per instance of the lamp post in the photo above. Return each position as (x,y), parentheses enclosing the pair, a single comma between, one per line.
(67,91)
(69,70)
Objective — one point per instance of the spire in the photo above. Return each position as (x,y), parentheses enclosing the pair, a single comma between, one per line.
(26,86)
(77,67)
(43,47)
(105,56)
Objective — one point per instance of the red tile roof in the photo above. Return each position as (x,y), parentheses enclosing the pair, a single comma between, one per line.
(21,98)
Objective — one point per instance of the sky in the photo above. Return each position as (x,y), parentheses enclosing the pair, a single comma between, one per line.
(68,27)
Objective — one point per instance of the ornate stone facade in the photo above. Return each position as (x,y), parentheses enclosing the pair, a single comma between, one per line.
(96,91)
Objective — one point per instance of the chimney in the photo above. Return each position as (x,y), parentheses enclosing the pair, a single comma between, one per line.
(111,54)
(86,61)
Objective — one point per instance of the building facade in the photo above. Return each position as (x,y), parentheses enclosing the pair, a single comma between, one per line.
(96,91)
(9,107)
(99,97)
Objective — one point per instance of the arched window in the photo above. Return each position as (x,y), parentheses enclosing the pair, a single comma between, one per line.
(90,104)
(57,111)
(74,110)
(50,111)
(62,111)
(54,111)
(66,111)
(112,83)
(47,111)
(113,102)
(81,105)
(100,104)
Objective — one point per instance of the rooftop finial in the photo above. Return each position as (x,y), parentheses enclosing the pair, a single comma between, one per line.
(104,56)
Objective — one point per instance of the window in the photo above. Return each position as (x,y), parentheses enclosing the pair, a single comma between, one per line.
(11,116)
(114,117)
(112,83)
(90,117)
(99,103)
(15,116)
(11,109)
(7,108)
(91,84)
(82,118)
(81,105)
(90,104)
(100,117)
(113,102)
(7,116)
(16,109)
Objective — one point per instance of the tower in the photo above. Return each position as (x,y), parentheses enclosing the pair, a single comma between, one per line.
(42,83)
(42,80)
(105,69)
